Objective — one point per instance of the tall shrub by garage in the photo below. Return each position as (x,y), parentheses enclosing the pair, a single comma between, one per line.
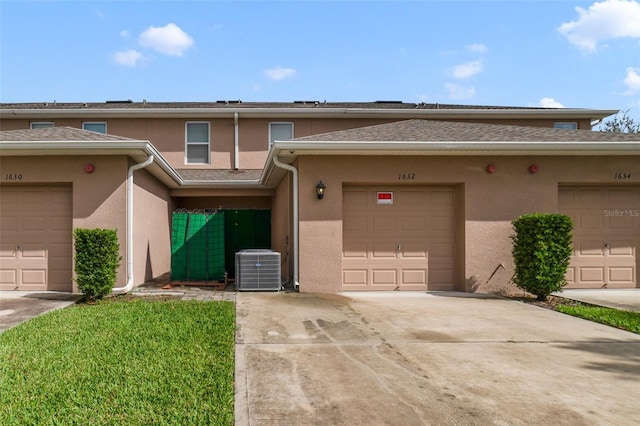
(541,251)
(97,261)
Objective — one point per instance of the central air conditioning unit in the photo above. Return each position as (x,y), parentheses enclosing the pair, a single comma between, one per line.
(258,270)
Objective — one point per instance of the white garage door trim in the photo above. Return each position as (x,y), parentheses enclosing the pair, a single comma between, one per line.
(36,244)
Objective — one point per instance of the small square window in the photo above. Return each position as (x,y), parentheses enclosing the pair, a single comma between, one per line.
(280,132)
(197,142)
(565,125)
(95,127)
(41,124)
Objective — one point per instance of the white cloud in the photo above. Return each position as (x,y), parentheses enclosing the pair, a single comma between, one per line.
(279,73)
(477,48)
(458,91)
(608,19)
(128,58)
(168,40)
(549,103)
(467,70)
(632,80)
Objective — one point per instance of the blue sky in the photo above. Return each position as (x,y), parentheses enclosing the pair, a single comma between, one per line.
(526,53)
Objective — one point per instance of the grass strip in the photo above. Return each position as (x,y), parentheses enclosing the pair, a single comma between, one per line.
(625,320)
(124,362)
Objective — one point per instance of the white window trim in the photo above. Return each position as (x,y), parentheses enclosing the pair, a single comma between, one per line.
(50,124)
(208,143)
(563,125)
(293,129)
(95,122)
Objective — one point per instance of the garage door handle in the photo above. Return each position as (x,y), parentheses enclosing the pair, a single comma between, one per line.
(17,249)
(399,249)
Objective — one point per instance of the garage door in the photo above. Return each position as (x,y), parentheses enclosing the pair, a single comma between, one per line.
(398,238)
(35,247)
(606,235)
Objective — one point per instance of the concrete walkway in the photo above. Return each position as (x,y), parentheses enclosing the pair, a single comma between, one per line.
(628,299)
(417,358)
(17,307)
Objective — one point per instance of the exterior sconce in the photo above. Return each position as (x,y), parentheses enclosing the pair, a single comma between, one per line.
(491,168)
(320,187)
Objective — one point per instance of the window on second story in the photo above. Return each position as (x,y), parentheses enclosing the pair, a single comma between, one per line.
(565,125)
(99,127)
(197,142)
(40,124)
(282,131)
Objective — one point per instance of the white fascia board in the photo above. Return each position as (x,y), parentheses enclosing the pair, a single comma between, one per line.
(128,147)
(290,149)
(287,112)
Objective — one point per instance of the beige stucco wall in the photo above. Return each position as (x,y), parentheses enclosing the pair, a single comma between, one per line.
(282,226)
(151,221)
(487,203)
(98,198)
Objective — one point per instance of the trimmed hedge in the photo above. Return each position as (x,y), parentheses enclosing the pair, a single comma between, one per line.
(97,261)
(541,251)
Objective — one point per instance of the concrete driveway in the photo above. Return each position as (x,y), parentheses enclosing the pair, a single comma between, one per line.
(416,359)
(17,307)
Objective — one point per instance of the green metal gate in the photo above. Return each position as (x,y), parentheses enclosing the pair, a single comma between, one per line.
(197,246)
(245,229)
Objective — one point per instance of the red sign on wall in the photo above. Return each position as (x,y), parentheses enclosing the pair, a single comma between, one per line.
(385,197)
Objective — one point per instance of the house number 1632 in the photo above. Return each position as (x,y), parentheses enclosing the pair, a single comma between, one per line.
(406,176)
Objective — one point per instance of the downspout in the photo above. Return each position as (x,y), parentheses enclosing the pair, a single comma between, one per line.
(294,171)
(132,169)
(236,142)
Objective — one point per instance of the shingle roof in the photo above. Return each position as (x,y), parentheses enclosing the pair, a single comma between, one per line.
(449,131)
(207,174)
(249,105)
(57,134)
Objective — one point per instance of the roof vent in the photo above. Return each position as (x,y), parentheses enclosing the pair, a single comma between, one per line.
(128,101)
(227,102)
(306,102)
(388,102)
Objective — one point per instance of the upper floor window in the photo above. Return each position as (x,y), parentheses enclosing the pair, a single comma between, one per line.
(40,124)
(282,131)
(99,127)
(565,125)
(197,142)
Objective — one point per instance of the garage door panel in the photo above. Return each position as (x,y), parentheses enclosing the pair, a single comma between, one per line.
(403,241)
(384,277)
(414,276)
(621,275)
(36,232)
(606,235)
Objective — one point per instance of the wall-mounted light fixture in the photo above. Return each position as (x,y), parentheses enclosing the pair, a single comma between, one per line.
(320,187)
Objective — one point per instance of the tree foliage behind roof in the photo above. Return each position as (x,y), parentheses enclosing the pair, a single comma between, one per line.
(621,123)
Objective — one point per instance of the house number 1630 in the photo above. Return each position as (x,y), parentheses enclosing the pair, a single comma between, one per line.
(13,176)
(406,176)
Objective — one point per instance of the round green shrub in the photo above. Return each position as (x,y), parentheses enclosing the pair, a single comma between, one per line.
(97,261)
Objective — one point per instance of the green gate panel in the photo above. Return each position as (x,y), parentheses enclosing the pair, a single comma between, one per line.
(215,247)
(178,246)
(245,229)
(197,247)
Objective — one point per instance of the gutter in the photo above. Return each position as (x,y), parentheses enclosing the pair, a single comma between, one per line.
(129,285)
(294,171)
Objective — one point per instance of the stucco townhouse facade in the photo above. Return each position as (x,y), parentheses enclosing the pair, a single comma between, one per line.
(354,196)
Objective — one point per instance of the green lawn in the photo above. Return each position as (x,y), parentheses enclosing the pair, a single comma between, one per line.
(625,320)
(121,363)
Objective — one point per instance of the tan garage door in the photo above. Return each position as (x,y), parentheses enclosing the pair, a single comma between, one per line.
(606,235)
(35,239)
(408,244)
